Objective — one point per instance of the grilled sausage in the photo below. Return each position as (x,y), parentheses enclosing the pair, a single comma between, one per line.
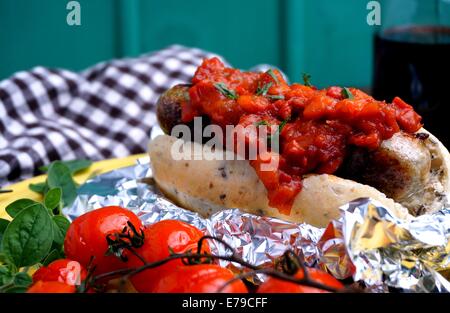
(168,108)
(400,168)
(412,170)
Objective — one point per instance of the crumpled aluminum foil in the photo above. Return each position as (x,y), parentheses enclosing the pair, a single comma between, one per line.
(367,243)
(261,240)
(390,252)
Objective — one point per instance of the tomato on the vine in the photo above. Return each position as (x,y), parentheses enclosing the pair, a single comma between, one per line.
(162,239)
(276,285)
(51,287)
(64,271)
(86,238)
(201,278)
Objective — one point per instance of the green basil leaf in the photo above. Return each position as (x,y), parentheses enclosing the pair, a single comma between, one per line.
(3,258)
(54,255)
(74,166)
(6,276)
(59,175)
(17,206)
(41,188)
(60,224)
(16,289)
(22,280)
(3,224)
(28,238)
(53,198)
(3,270)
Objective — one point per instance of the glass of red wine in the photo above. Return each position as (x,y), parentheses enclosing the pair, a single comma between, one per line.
(412,59)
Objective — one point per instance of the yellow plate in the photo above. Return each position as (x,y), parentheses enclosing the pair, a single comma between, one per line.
(21,190)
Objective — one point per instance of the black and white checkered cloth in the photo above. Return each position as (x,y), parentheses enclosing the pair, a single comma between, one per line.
(104,112)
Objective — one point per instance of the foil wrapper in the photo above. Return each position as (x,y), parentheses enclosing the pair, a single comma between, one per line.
(368,243)
(388,252)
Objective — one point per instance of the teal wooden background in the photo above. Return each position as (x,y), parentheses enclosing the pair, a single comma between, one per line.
(326,38)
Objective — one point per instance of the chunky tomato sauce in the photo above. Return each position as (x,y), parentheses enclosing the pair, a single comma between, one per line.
(316,127)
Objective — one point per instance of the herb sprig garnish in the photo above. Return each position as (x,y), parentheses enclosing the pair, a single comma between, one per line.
(282,124)
(275,97)
(273,140)
(262,91)
(307,80)
(274,77)
(347,94)
(223,89)
(59,174)
(262,123)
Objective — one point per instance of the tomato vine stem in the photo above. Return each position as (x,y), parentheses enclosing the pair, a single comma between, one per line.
(290,263)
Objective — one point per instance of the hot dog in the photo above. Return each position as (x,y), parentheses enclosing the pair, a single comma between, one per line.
(335,145)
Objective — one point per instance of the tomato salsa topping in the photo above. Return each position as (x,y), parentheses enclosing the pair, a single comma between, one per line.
(316,127)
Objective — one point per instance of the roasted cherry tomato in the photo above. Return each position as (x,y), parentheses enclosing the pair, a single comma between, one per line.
(160,239)
(51,287)
(275,285)
(202,278)
(86,237)
(64,270)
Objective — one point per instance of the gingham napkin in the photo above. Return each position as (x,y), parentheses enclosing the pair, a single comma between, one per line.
(104,112)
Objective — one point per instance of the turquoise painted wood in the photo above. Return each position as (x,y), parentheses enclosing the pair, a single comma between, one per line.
(326,38)
(337,42)
(245,32)
(35,32)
